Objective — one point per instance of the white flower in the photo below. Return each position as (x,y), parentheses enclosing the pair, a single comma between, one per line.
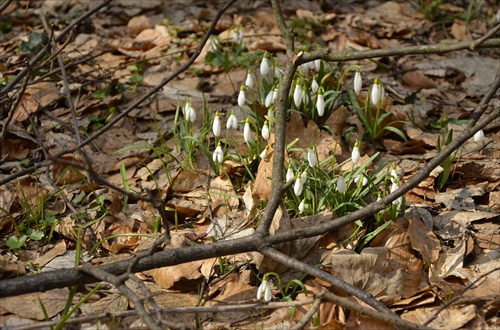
(364,180)
(358,83)
(393,175)
(479,136)
(236,37)
(249,80)
(297,95)
(289,173)
(263,154)
(190,113)
(218,154)
(265,131)
(305,96)
(395,187)
(275,94)
(278,73)
(247,132)
(303,177)
(264,65)
(375,96)
(302,206)
(241,97)
(216,125)
(314,85)
(317,64)
(311,157)
(264,288)
(269,99)
(355,155)
(320,105)
(232,122)
(341,185)
(298,186)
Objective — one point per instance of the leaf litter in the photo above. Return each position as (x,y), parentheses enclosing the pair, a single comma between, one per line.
(448,240)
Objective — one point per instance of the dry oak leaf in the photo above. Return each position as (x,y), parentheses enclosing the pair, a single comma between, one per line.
(423,240)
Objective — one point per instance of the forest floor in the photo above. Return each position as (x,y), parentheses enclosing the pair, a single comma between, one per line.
(445,248)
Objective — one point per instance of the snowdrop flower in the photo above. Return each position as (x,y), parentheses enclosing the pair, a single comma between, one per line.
(264,288)
(265,131)
(355,155)
(395,187)
(232,122)
(378,93)
(289,173)
(263,154)
(216,125)
(317,64)
(479,136)
(320,104)
(302,206)
(189,113)
(241,97)
(278,73)
(341,185)
(314,85)
(303,177)
(249,80)
(247,132)
(311,157)
(264,65)
(305,67)
(298,186)
(363,178)
(305,96)
(297,95)
(393,175)
(269,99)
(218,154)
(358,83)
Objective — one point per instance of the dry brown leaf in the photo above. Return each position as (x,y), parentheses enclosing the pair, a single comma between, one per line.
(262,186)
(58,250)
(449,319)
(179,277)
(423,240)
(28,305)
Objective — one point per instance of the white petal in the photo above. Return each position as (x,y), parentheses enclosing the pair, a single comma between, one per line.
(216,126)
(303,177)
(267,293)
(289,174)
(355,155)
(317,64)
(264,66)
(302,206)
(247,133)
(320,105)
(358,83)
(341,185)
(269,99)
(314,86)
(232,122)
(261,288)
(265,132)
(263,154)
(375,96)
(241,98)
(479,136)
(249,80)
(298,186)
(311,158)
(297,95)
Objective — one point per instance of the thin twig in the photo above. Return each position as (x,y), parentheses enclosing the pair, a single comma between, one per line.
(310,313)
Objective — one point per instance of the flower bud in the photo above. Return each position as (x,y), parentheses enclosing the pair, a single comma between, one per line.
(247,132)
(358,83)
(269,99)
(355,154)
(249,80)
(479,136)
(302,206)
(341,185)
(303,177)
(298,186)
(375,96)
(314,85)
(265,131)
(216,125)
(190,113)
(263,154)
(241,97)
(297,95)
(264,65)
(311,157)
(320,105)
(289,173)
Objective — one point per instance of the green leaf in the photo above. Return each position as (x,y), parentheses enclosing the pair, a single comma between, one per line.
(15,242)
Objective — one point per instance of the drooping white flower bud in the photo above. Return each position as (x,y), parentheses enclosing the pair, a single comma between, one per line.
(320,104)
(479,136)
(341,185)
(275,94)
(216,125)
(297,95)
(218,154)
(358,82)
(303,177)
(363,178)
(355,154)
(249,80)
(263,154)
(264,65)
(241,97)
(190,113)
(311,157)
(264,288)
(298,186)
(375,96)
(394,175)
(269,99)
(395,187)
(314,85)
(289,173)
(265,131)
(232,121)
(305,96)
(247,132)
(302,206)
